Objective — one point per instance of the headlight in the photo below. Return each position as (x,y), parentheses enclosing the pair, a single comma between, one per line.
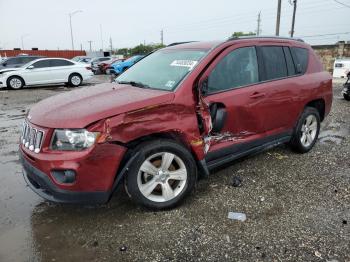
(73,139)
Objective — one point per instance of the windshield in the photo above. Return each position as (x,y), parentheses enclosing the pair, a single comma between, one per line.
(77,58)
(163,69)
(132,58)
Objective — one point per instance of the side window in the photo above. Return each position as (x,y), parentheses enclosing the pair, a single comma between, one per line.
(289,61)
(302,58)
(13,61)
(60,62)
(42,64)
(238,68)
(274,61)
(29,59)
(339,65)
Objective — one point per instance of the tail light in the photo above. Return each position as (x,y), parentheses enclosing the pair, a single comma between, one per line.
(88,68)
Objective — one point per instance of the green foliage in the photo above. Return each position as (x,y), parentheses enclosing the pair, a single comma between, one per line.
(238,34)
(139,50)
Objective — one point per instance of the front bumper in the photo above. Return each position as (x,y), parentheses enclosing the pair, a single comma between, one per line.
(2,82)
(41,184)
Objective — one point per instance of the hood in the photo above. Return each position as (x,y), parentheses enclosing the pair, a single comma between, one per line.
(9,70)
(79,108)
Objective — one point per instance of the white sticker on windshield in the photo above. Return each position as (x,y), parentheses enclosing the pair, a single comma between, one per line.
(184,63)
(170,83)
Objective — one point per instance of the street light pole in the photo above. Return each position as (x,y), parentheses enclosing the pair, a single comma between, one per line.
(22,42)
(70,24)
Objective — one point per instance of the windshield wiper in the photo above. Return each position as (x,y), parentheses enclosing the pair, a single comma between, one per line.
(134,83)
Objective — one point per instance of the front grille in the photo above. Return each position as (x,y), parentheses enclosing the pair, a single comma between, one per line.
(31,137)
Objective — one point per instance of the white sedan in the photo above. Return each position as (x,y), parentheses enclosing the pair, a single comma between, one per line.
(45,71)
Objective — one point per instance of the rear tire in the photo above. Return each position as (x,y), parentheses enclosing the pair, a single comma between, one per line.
(75,80)
(306,132)
(346,97)
(15,82)
(162,175)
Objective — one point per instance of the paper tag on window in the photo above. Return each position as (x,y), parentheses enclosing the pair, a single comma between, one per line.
(184,63)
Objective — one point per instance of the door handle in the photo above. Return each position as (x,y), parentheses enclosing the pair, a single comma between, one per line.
(256,95)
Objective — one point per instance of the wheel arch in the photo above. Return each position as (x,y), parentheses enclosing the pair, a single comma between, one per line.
(75,73)
(171,135)
(320,105)
(8,79)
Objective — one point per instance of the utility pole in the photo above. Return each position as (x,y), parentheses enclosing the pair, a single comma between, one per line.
(22,42)
(162,37)
(293,21)
(111,44)
(259,24)
(101,37)
(278,20)
(90,44)
(70,24)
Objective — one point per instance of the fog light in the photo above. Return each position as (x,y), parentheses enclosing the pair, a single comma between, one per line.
(64,176)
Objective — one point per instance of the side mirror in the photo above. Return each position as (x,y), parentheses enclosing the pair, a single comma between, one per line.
(30,67)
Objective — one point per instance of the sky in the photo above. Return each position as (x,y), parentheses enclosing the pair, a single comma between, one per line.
(45,23)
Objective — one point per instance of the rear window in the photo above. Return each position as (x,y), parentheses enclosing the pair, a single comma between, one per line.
(274,62)
(302,58)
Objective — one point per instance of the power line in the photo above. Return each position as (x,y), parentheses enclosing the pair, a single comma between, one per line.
(342,3)
(343,33)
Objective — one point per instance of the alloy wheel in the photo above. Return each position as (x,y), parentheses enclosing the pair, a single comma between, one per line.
(308,131)
(162,177)
(15,83)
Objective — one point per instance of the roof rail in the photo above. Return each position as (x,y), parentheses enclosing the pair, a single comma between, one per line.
(271,37)
(180,43)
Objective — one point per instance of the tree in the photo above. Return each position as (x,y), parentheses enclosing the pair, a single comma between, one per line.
(238,34)
(139,49)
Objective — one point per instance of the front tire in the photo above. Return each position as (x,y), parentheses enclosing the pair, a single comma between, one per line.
(162,175)
(306,132)
(346,97)
(15,82)
(75,80)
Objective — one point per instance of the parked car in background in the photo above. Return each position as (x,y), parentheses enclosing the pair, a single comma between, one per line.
(82,59)
(96,60)
(102,66)
(119,67)
(176,114)
(45,71)
(346,89)
(341,68)
(13,62)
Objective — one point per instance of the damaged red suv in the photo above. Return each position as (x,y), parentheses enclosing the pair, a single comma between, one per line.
(176,114)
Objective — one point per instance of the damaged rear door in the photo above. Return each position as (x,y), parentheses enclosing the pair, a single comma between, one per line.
(230,90)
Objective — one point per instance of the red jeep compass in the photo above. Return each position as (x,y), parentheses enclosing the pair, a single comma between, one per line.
(179,112)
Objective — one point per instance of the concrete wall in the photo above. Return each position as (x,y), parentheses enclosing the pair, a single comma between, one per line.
(328,53)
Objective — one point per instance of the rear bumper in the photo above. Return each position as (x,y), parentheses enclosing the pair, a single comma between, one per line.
(41,184)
